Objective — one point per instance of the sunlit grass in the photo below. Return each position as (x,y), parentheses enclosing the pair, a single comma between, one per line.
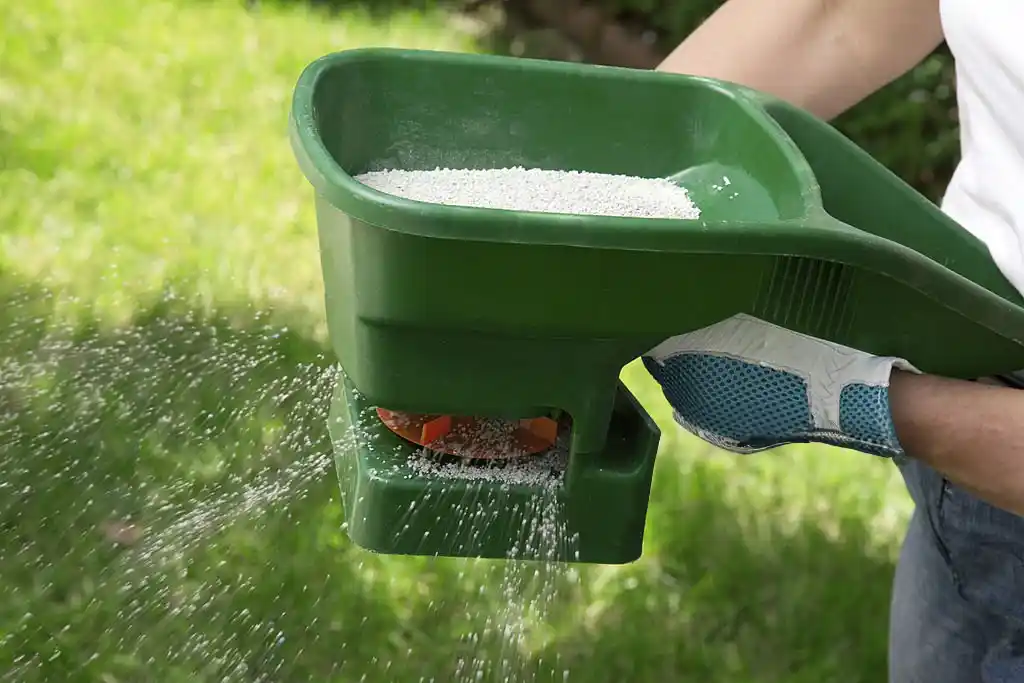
(144,143)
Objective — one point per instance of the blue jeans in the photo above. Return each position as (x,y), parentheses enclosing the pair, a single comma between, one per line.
(958,597)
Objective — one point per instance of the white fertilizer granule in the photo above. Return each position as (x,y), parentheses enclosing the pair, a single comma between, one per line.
(521,189)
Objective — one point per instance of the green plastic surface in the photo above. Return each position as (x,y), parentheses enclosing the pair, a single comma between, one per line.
(393,508)
(487,312)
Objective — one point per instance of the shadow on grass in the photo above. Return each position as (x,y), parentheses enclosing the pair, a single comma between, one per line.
(730,593)
(169,513)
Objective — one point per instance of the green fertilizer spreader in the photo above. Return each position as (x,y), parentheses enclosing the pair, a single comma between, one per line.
(445,310)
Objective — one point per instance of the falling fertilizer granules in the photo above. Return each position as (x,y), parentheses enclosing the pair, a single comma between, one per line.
(521,189)
(517,597)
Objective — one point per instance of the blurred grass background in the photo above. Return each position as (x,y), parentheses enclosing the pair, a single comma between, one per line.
(162,380)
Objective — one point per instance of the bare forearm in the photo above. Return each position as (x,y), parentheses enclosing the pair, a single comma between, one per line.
(971,432)
(822,55)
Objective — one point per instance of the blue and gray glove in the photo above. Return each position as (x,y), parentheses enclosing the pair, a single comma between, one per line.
(746,385)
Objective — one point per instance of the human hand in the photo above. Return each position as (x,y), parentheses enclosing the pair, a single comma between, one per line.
(746,385)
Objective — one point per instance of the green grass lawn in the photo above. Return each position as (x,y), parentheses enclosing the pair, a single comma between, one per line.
(167,507)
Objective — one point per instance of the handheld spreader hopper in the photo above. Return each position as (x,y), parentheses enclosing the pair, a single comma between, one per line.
(447,318)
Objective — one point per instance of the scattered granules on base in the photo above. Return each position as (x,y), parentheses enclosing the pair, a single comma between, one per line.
(521,189)
(540,471)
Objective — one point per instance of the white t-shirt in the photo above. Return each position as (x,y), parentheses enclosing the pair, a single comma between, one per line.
(986,194)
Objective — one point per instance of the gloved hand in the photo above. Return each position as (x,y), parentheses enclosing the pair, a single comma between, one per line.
(746,385)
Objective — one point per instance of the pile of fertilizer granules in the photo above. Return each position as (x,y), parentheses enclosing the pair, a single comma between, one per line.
(521,189)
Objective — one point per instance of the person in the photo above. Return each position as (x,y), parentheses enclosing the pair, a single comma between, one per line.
(957,612)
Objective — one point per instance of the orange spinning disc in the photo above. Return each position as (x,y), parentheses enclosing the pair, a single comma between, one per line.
(473,437)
